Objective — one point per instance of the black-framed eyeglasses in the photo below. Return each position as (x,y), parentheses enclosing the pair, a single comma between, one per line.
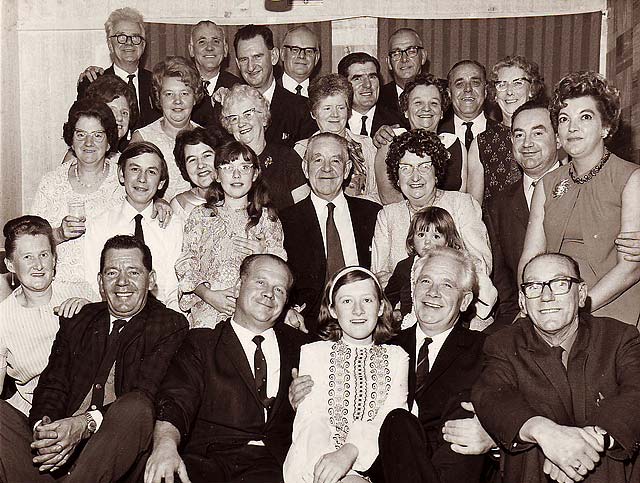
(558,286)
(516,84)
(124,38)
(305,51)
(409,52)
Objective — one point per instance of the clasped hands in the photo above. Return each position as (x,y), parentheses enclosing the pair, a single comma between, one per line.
(55,441)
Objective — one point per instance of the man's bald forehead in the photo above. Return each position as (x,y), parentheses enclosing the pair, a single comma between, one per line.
(302,30)
(406,31)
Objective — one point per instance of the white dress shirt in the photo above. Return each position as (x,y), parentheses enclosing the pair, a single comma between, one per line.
(268,94)
(355,121)
(165,245)
(290,84)
(124,75)
(212,83)
(528,183)
(342,219)
(399,90)
(479,126)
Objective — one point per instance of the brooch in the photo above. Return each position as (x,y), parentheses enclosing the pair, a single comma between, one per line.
(268,161)
(560,189)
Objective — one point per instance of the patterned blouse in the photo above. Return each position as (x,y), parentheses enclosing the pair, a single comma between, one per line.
(208,255)
(355,387)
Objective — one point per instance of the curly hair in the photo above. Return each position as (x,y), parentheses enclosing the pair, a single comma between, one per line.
(258,196)
(190,137)
(530,69)
(26,225)
(329,327)
(587,84)
(421,143)
(426,80)
(241,92)
(180,68)
(94,109)
(330,85)
(108,87)
(126,13)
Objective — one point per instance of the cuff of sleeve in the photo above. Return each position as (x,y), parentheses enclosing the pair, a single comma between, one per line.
(97,417)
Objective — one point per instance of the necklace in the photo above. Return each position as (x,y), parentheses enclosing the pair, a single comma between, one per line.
(585,178)
(87,185)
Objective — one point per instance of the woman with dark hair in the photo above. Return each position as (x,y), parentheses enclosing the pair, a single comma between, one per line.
(29,316)
(176,89)
(236,221)
(580,208)
(416,164)
(357,379)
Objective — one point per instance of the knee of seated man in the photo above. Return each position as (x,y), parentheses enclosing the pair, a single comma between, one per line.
(132,405)
(396,421)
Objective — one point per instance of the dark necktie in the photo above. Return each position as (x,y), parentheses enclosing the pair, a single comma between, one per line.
(260,368)
(138,233)
(109,357)
(363,129)
(422,370)
(468,134)
(558,353)
(205,87)
(299,90)
(132,86)
(335,258)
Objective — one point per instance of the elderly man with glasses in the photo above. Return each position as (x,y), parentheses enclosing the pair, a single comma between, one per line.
(300,54)
(559,389)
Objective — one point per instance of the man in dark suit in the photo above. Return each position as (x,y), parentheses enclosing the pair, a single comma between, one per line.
(327,230)
(105,366)
(367,114)
(256,55)
(535,150)
(405,59)
(126,42)
(208,48)
(559,389)
(300,54)
(224,399)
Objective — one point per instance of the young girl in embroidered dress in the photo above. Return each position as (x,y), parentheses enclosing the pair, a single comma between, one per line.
(358,380)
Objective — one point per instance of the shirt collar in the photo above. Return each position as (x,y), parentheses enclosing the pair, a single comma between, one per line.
(212,83)
(246,335)
(355,115)
(399,90)
(128,212)
(290,83)
(528,180)
(339,201)
(123,74)
(268,94)
(478,122)
(438,338)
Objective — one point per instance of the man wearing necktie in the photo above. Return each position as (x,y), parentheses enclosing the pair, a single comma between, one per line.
(92,411)
(224,399)
(300,54)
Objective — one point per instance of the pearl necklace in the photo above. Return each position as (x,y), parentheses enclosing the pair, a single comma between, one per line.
(585,178)
(87,185)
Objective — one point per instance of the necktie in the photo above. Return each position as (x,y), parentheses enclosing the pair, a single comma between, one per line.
(132,86)
(138,233)
(559,353)
(299,90)
(335,258)
(363,129)
(260,368)
(205,86)
(468,134)
(97,395)
(422,370)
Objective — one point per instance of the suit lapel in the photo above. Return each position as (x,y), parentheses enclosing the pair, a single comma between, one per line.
(577,373)
(309,219)
(453,347)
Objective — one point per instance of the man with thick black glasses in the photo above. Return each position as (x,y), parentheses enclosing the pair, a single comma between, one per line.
(559,389)
(300,54)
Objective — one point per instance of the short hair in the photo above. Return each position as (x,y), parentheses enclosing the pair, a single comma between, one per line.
(467,276)
(530,105)
(94,109)
(441,220)
(126,242)
(207,22)
(464,62)
(190,137)
(180,68)
(357,58)
(251,31)
(26,225)
(250,260)
(402,30)
(426,80)
(327,135)
(304,28)
(330,85)
(531,70)
(145,147)
(108,87)
(329,327)
(575,268)
(588,84)
(421,143)
(244,92)
(125,13)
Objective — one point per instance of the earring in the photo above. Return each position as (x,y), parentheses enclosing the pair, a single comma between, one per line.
(13,282)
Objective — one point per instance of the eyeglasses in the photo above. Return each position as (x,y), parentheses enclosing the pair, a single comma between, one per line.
(230,168)
(409,52)
(408,169)
(558,286)
(123,38)
(305,51)
(249,114)
(516,84)
(98,136)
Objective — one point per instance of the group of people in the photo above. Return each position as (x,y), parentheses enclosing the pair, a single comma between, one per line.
(324,279)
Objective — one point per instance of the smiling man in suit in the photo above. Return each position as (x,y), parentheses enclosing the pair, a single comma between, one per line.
(224,399)
(92,413)
(327,230)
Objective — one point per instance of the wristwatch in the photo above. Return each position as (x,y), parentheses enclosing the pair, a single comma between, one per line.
(92,426)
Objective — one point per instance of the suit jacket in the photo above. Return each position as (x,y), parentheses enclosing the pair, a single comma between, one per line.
(389,98)
(204,113)
(522,378)
(148,112)
(448,383)
(210,394)
(382,117)
(506,219)
(146,345)
(306,253)
(290,118)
